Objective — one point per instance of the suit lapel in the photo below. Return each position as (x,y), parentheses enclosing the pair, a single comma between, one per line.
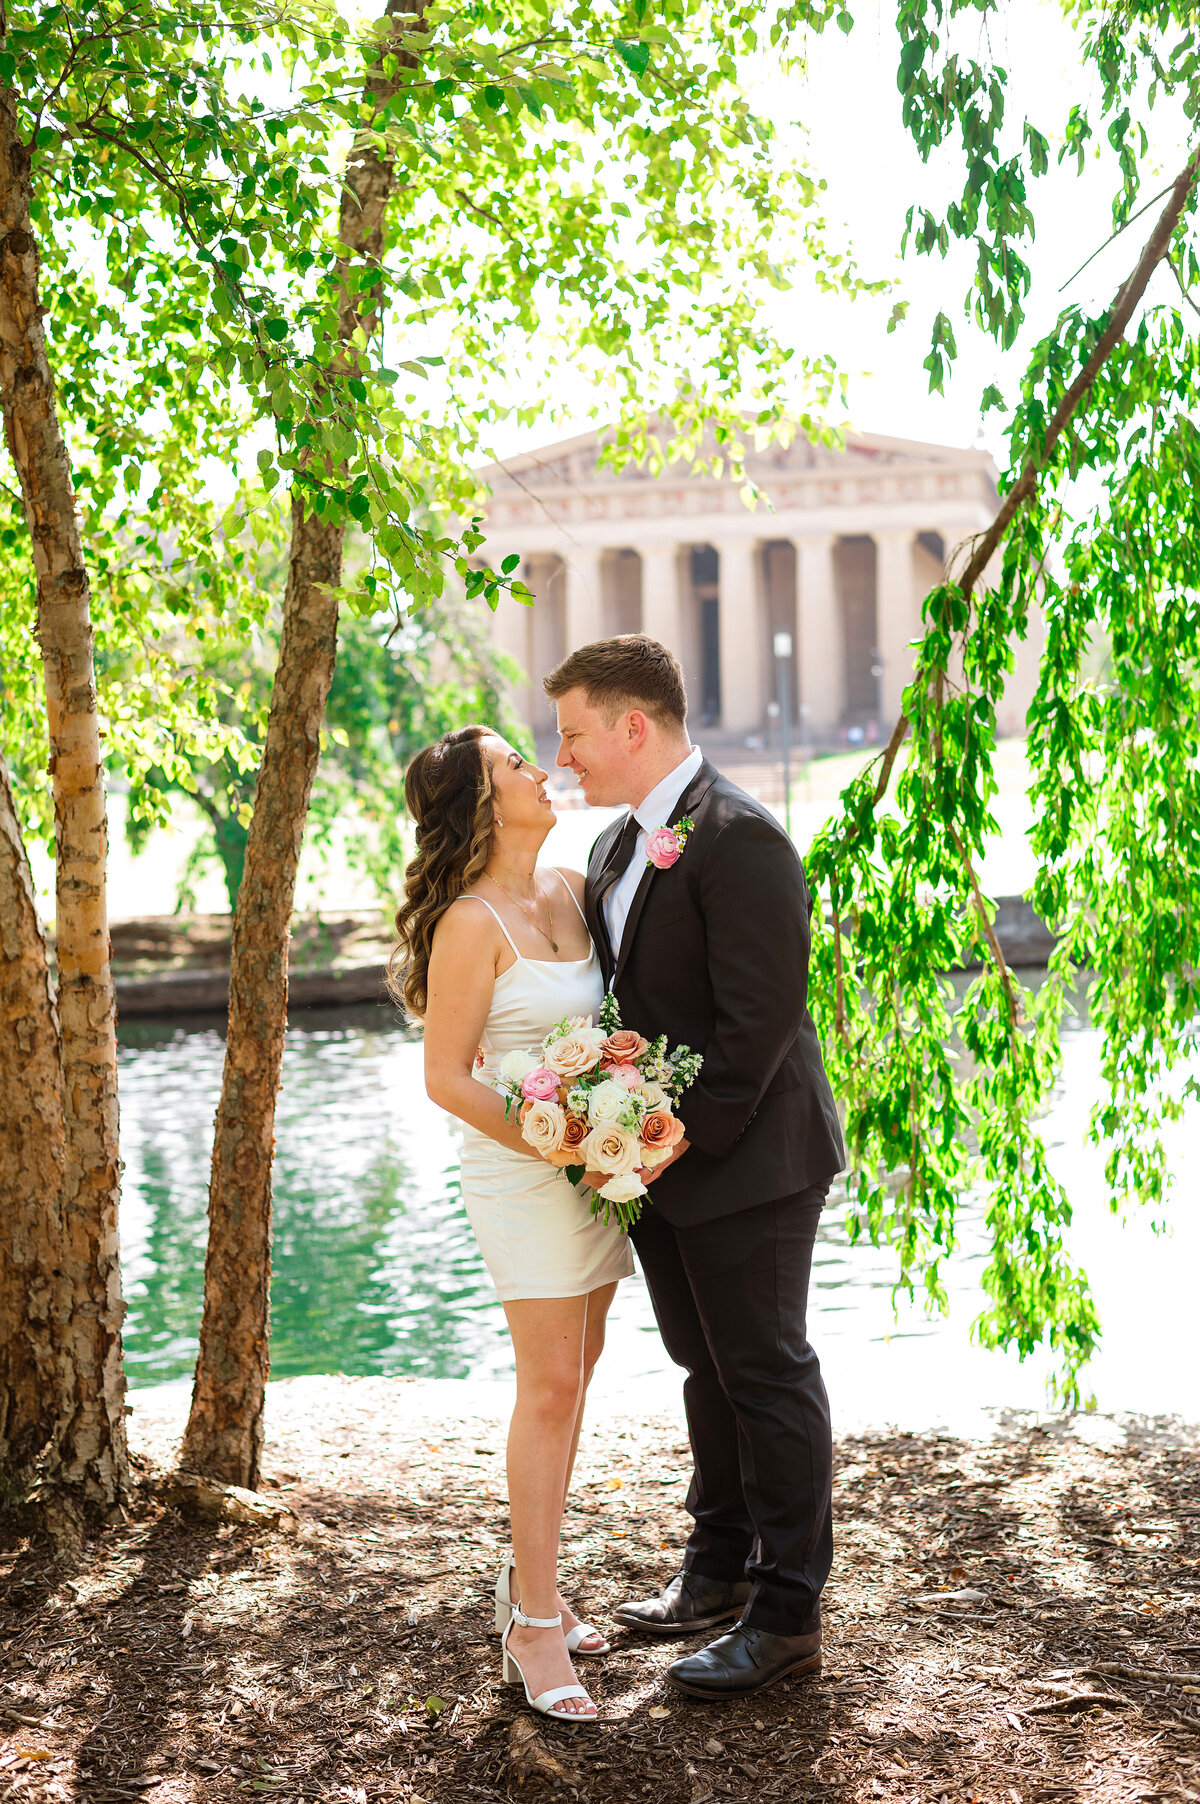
(595,889)
(691,798)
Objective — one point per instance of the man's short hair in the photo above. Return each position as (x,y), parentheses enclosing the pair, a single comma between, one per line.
(630,671)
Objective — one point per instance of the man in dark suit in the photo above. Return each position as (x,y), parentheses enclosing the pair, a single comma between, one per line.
(713,951)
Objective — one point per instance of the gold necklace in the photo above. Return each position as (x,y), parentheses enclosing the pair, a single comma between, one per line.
(519,904)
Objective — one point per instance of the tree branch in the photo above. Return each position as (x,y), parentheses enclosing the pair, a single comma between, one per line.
(1124,304)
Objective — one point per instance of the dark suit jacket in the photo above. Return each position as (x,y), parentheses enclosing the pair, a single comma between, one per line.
(715,955)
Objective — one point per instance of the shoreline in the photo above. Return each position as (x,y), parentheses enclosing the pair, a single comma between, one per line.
(160,1411)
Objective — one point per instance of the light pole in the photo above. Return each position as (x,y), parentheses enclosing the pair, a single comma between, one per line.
(783,689)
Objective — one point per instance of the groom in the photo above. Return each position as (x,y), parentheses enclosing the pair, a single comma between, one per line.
(713,952)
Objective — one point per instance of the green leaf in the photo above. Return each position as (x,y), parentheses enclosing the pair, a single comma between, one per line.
(635,56)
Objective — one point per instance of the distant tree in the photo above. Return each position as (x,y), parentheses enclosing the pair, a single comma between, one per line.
(398,683)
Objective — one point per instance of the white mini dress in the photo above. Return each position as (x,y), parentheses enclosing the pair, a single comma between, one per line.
(535,1230)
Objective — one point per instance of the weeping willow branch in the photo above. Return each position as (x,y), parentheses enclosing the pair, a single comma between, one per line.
(1124,304)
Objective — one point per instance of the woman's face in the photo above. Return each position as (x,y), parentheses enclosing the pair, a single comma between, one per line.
(518,787)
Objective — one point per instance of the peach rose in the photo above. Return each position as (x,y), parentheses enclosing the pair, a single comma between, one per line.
(613,1150)
(575,1053)
(624,1047)
(543,1125)
(654,1096)
(661,1132)
(571,1150)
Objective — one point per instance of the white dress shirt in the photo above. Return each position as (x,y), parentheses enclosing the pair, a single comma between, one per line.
(654,811)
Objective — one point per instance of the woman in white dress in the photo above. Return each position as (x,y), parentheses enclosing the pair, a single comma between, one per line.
(493,953)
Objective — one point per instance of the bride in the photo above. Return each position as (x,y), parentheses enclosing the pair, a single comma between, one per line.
(493,953)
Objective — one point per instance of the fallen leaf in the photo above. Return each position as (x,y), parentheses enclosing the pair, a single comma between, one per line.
(658,1711)
(45,1754)
(613,1484)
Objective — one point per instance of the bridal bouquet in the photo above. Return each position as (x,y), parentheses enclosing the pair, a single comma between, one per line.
(600,1099)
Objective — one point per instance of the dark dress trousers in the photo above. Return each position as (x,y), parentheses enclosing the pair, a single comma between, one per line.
(714,954)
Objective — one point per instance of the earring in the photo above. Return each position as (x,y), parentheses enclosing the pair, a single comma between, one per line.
(499,822)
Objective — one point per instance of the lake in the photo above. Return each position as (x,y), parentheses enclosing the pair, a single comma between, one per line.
(376,1271)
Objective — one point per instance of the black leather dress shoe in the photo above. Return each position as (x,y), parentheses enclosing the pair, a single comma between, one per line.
(689,1604)
(745,1660)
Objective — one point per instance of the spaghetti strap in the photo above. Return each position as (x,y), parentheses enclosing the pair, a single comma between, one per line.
(575,899)
(500,924)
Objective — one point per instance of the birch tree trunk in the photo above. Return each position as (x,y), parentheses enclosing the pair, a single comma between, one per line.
(31,1164)
(224,1434)
(87,1454)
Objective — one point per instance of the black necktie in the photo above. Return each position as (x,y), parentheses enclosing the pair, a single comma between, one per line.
(623,850)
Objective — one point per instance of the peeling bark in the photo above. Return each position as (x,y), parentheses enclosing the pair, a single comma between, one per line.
(31,1166)
(225,1428)
(87,1451)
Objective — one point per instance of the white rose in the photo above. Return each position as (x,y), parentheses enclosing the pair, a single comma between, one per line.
(573,1054)
(613,1150)
(543,1126)
(653,1095)
(607,1102)
(654,1155)
(623,1189)
(516,1065)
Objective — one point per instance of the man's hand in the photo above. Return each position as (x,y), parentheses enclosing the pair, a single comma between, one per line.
(648,1173)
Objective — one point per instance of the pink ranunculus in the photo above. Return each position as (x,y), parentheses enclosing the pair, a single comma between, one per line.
(629,1075)
(662,848)
(540,1085)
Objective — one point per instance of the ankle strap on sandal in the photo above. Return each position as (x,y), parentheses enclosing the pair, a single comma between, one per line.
(536,1622)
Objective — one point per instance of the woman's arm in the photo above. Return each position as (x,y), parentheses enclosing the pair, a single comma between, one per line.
(462,973)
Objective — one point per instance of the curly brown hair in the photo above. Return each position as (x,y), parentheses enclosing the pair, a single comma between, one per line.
(448,793)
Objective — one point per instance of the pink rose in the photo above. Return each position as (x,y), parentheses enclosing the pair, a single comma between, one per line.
(662,848)
(540,1085)
(629,1075)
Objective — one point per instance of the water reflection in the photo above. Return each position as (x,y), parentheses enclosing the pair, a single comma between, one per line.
(376,1271)
(374,1266)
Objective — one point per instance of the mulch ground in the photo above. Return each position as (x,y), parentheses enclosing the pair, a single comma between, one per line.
(348,1655)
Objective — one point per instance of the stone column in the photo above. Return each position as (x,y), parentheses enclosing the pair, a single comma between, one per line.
(820,664)
(895,617)
(584,596)
(662,605)
(511,634)
(741,637)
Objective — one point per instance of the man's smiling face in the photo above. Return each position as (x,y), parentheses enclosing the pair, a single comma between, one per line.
(601,752)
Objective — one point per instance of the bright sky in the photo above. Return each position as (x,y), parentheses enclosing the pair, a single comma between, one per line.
(848,107)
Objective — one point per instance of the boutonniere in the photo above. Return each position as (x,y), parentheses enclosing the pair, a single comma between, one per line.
(665,844)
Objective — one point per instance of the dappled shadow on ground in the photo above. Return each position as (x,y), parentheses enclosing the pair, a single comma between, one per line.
(353,1660)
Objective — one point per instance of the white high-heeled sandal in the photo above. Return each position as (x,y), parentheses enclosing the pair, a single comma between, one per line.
(545,1701)
(583,1631)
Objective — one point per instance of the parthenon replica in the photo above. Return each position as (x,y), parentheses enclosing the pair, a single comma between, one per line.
(839,553)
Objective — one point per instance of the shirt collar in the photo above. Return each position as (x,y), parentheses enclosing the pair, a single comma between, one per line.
(656,809)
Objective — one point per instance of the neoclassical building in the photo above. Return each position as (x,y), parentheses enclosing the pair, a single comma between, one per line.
(839,553)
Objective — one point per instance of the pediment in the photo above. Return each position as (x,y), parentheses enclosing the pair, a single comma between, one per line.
(574,464)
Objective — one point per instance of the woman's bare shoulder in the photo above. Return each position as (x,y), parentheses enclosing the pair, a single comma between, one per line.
(573,879)
(467,926)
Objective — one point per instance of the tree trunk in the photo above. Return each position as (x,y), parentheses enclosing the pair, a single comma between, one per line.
(87,1455)
(31,1167)
(225,1428)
